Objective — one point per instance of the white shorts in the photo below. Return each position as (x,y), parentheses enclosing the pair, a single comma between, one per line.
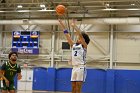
(78,73)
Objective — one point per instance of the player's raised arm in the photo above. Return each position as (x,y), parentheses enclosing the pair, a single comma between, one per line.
(70,41)
(79,34)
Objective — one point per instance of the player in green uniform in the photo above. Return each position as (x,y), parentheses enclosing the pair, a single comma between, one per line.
(8,71)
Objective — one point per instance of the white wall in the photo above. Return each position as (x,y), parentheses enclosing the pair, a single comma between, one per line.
(127,49)
(126,46)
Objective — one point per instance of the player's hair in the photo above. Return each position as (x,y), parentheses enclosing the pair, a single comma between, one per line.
(86,37)
(11,54)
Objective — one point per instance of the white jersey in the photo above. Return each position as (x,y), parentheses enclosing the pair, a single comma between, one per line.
(78,54)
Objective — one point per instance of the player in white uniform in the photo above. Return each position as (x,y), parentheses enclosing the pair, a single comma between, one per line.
(79,50)
(78,62)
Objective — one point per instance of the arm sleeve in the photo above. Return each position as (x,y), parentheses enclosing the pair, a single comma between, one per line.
(18,69)
(3,67)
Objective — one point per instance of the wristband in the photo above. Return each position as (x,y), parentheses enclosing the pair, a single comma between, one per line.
(65,31)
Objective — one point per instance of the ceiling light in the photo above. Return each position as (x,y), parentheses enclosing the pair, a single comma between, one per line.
(133,9)
(109,9)
(132,4)
(107,4)
(19,6)
(47,10)
(42,5)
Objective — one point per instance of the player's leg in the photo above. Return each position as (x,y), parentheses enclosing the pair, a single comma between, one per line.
(80,79)
(74,87)
(12,88)
(79,86)
(3,87)
(4,91)
(73,80)
(81,73)
(12,91)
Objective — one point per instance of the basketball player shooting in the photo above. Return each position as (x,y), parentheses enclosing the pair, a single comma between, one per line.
(79,50)
(8,71)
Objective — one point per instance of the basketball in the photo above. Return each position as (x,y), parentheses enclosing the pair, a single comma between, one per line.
(60,9)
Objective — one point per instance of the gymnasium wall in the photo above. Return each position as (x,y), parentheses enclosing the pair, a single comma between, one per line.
(97,81)
(126,49)
(128,41)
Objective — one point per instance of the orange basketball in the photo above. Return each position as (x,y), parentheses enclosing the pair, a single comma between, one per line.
(60,9)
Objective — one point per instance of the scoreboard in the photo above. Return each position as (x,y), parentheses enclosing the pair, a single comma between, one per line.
(25,42)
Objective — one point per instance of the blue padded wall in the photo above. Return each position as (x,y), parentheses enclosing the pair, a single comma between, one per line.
(97,81)
(51,74)
(40,79)
(110,81)
(44,79)
(127,81)
(63,77)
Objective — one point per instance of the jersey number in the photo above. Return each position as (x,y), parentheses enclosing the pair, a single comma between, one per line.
(11,73)
(75,54)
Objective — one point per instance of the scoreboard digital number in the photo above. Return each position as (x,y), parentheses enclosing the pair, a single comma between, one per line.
(25,42)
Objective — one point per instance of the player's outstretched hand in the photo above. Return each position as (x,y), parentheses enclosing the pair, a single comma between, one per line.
(73,23)
(19,77)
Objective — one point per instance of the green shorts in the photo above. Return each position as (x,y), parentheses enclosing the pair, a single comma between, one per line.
(10,87)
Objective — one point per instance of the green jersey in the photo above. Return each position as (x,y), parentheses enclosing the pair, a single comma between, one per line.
(10,70)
